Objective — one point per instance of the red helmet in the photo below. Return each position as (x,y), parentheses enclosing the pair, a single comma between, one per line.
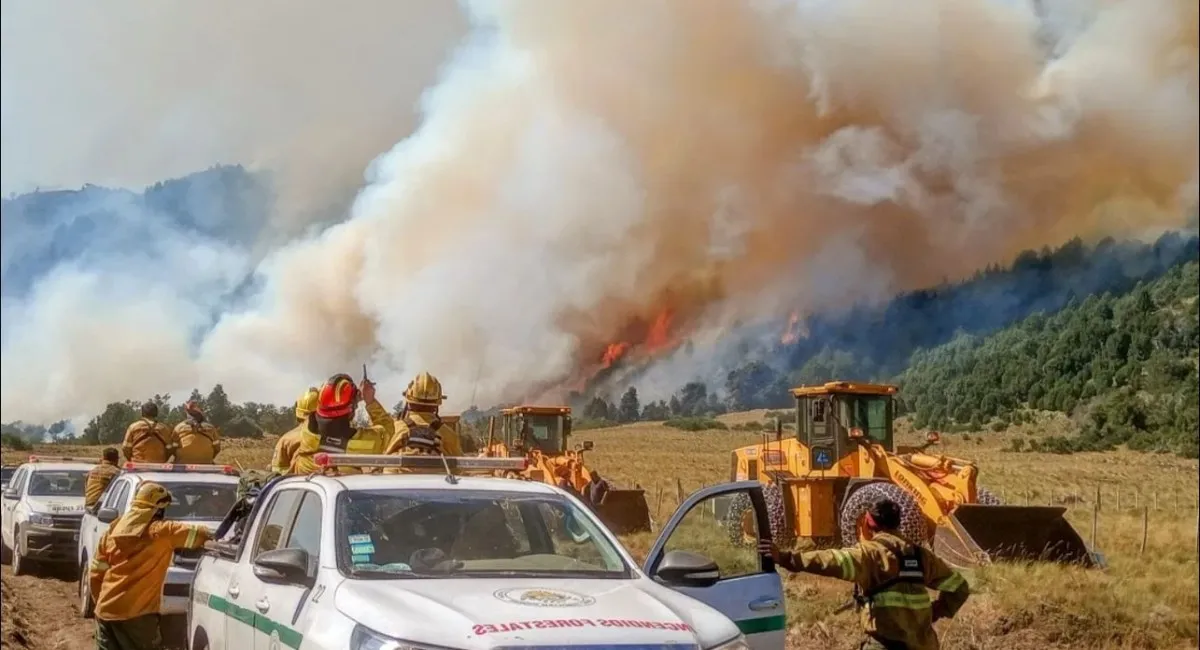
(337,397)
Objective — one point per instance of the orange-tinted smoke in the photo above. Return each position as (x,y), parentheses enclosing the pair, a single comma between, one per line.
(586,164)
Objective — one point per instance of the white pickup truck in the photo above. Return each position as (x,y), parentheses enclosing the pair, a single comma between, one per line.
(429,561)
(42,506)
(200,494)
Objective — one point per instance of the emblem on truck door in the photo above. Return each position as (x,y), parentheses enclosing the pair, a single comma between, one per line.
(544,597)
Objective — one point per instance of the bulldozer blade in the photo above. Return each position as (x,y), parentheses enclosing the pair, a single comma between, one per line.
(624,511)
(979,534)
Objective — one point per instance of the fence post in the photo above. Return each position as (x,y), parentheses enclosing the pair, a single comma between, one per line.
(1145,528)
(679,490)
(1118,498)
(1095,523)
(1156,500)
(1098,494)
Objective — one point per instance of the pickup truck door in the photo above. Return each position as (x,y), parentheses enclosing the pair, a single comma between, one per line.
(15,486)
(748,590)
(244,597)
(280,604)
(91,528)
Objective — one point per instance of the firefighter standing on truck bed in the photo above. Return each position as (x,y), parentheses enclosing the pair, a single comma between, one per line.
(891,580)
(331,426)
(199,440)
(99,477)
(130,567)
(147,440)
(420,430)
(289,443)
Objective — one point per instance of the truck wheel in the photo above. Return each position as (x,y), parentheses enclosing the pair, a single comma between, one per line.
(20,565)
(87,606)
(912,523)
(740,506)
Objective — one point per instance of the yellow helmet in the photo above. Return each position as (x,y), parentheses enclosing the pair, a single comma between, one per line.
(424,389)
(307,403)
(152,495)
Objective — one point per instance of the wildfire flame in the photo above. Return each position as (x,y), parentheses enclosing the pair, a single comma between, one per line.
(652,340)
(791,333)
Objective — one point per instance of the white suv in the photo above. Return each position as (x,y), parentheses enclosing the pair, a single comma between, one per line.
(201,494)
(42,505)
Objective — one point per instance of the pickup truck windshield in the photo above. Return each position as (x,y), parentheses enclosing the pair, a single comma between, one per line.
(463,534)
(57,483)
(200,501)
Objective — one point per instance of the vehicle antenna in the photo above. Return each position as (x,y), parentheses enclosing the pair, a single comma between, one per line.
(450,477)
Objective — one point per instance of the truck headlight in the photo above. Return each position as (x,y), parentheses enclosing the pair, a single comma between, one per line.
(366,639)
(38,519)
(736,643)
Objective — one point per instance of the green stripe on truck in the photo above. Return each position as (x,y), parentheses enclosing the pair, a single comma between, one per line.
(764,624)
(287,636)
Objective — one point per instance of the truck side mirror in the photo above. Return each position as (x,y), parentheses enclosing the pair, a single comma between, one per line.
(282,565)
(11,494)
(566,426)
(107,515)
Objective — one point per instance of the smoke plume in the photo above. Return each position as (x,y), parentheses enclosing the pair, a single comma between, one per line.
(583,168)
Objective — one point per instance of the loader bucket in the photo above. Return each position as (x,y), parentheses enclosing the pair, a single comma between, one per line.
(624,511)
(978,534)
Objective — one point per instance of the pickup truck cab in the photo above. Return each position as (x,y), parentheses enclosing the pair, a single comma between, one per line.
(436,561)
(42,508)
(201,494)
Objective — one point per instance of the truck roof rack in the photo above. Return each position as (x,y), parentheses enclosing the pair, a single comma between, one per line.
(176,467)
(62,459)
(449,464)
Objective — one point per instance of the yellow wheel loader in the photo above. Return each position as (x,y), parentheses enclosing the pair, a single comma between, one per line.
(820,482)
(541,433)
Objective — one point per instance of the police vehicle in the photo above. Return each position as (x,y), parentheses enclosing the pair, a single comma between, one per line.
(200,494)
(429,560)
(42,507)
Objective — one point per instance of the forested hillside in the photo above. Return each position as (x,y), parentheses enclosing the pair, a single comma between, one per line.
(1124,364)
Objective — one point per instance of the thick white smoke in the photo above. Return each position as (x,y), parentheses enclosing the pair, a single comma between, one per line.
(585,165)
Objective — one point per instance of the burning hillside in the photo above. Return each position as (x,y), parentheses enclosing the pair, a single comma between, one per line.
(597,184)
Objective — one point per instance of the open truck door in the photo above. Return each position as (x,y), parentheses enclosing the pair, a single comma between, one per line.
(694,556)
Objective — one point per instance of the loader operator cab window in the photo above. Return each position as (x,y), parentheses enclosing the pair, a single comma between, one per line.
(542,432)
(873,415)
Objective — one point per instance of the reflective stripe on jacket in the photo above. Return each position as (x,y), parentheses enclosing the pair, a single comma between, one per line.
(369,440)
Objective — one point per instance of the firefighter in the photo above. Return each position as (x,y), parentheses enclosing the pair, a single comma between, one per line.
(99,478)
(420,430)
(126,576)
(891,577)
(288,443)
(331,426)
(199,440)
(147,440)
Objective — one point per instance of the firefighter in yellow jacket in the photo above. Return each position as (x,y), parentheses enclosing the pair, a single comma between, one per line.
(289,443)
(126,577)
(891,579)
(198,439)
(99,477)
(419,429)
(147,440)
(331,426)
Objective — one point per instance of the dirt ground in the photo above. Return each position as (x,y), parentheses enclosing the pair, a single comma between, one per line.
(39,613)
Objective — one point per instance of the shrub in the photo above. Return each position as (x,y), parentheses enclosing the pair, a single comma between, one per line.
(696,424)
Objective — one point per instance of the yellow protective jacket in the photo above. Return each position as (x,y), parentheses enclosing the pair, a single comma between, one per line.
(126,577)
(97,480)
(199,442)
(147,441)
(451,446)
(286,448)
(897,607)
(370,440)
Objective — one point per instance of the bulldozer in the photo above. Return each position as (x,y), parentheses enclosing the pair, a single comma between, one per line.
(541,434)
(820,482)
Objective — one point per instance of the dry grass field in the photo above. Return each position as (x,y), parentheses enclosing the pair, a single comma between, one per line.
(1147,597)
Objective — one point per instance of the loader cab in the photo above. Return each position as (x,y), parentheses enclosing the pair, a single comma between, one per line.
(545,428)
(826,415)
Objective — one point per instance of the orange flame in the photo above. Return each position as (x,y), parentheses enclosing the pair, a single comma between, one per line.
(659,335)
(792,333)
(613,353)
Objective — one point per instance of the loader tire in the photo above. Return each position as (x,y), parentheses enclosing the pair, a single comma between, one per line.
(986,497)
(775,514)
(913,526)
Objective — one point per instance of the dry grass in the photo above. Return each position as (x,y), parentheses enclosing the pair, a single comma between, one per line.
(1142,600)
